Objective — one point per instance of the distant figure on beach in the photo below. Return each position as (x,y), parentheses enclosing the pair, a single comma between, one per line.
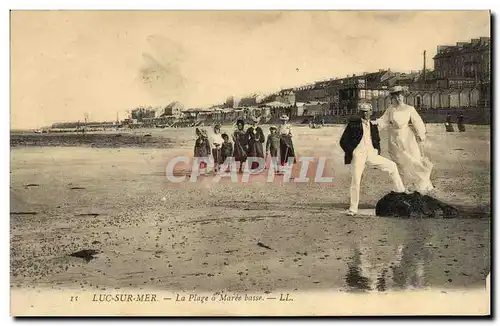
(286,145)
(273,146)
(216,142)
(361,144)
(201,148)
(240,140)
(460,123)
(405,143)
(256,140)
(227,148)
(449,124)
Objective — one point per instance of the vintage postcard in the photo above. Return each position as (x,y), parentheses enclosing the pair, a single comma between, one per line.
(250,163)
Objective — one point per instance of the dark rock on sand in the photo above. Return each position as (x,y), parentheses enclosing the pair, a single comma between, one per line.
(413,205)
(86,254)
(88,214)
(260,244)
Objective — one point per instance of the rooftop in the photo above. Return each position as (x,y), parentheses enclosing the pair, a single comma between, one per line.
(475,45)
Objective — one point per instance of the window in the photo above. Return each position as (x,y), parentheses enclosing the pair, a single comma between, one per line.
(362,93)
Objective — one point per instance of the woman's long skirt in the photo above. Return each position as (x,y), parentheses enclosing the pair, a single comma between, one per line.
(406,153)
(286,150)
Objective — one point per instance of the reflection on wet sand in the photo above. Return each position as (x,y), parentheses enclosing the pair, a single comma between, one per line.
(403,272)
(414,262)
(354,278)
(409,270)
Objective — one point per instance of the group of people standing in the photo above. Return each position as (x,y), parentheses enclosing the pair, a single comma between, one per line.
(406,136)
(245,144)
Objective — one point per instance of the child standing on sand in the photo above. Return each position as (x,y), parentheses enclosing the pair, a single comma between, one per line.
(201,147)
(217,149)
(227,147)
(273,147)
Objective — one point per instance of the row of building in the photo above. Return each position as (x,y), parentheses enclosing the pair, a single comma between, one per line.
(461,79)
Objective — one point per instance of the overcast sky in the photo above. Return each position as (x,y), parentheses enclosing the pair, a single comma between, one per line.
(64,64)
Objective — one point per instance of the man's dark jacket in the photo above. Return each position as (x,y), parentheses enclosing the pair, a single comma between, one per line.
(353,134)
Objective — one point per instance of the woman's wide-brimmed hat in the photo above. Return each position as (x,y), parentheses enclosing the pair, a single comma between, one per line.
(397,89)
(255,119)
(273,128)
(240,122)
(217,126)
(284,117)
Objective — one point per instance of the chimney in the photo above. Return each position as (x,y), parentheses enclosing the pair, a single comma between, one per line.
(484,40)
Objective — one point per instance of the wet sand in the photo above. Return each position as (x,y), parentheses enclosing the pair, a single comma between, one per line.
(152,234)
(104,139)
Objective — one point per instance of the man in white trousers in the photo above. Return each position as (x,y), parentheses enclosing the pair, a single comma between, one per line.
(361,144)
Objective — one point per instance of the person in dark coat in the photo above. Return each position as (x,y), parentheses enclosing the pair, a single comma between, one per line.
(273,145)
(361,145)
(202,147)
(240,140)
(460,123)
(256,140)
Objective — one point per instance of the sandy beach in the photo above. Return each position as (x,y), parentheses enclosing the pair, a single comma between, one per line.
(153,234)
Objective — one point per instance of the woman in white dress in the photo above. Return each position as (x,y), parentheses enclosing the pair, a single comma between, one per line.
(405,140)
